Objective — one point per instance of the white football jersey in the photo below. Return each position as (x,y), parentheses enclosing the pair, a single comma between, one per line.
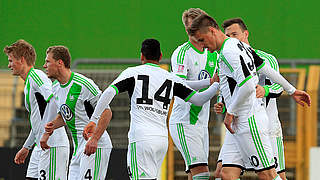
(150,89)
(274,91)
(76,101)
(237,66)
(42,107)
(189,63)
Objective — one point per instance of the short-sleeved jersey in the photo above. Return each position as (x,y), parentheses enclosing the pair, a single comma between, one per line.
(189,63)
(76,102)
(274,90)
(236,67)
(42,107)
(150,89)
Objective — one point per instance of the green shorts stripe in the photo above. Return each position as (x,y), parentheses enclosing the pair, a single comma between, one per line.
(263,151)
(183,143)
(134,166)
(257,141)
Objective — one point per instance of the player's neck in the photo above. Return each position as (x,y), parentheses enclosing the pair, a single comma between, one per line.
(220,40)
(64,76)
(25,72)
(195,44)
(151,61)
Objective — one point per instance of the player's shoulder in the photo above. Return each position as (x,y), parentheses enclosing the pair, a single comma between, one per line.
(230,45)
(39,77)
(87,82)
(180,52)
(264,54)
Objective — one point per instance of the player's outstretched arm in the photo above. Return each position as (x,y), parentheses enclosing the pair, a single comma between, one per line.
(103,122)
(200,98)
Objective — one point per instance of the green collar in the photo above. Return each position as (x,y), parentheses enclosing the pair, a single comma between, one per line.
(194,48)
(71,77)
(28,75)
(223,45)
(151,64)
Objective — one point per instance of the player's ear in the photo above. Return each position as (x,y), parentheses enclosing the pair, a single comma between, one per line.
(246,33)
(160,56)
(142,57)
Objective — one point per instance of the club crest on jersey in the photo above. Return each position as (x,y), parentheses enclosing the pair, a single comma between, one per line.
(203,75)
(66,112)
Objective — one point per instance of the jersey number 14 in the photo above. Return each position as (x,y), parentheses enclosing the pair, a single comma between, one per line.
(166,86)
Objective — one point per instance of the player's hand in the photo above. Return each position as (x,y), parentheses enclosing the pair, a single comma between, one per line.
(44,140)
(260,92)
(215,78)
(21,156)
(49,128)
(228,119)
(300,97)
(88,130)
(218,107)
(91,146)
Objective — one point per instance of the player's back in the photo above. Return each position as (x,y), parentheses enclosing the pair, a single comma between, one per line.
(150,89)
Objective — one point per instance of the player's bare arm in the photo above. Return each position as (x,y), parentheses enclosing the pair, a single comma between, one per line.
(103,122)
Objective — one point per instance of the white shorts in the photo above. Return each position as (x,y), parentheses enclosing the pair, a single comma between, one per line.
(253,139)
(95,166)
(32,171)
(53,163)
(278,153)
(193,143)
(229,154)
(144,158)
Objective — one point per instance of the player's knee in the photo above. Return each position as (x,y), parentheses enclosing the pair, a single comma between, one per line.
(267,174)
(217,173)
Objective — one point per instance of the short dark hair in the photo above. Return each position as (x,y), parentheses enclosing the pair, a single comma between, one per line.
(232,21)
(150,48)
(201,22)
(60,52)
(22,48)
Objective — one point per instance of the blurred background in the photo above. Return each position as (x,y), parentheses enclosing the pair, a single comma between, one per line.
(104,38)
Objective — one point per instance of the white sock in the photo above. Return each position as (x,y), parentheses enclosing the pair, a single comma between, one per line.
(204,175)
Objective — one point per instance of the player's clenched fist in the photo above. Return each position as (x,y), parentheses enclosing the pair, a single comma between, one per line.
(88,130)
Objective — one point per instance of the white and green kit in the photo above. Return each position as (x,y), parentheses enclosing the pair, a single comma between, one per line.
(76,101)
(188,123)
(41,106)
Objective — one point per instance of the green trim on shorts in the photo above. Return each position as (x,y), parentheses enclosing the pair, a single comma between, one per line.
(280,154)
(134,164)
(257,142)
(183,143)
(53,164)
(97,163)
(200,177)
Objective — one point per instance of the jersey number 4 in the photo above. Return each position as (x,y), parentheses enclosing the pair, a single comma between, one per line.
(166,86)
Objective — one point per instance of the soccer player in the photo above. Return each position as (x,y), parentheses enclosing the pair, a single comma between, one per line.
(246,118)
(150,89)
(266,89)
(51,163)
(76,96)
(188,123)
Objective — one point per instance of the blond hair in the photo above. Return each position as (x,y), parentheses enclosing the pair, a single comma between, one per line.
(22,48)
(191,13)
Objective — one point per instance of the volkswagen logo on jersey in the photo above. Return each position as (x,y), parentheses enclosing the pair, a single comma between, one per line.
(66,112)
(203,75)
